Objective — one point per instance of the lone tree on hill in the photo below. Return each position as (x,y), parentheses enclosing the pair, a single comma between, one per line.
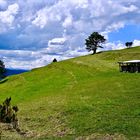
(128,44)
(2,69)
(94,41)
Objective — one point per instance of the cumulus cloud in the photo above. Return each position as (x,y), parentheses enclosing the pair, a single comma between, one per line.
(58,27)
(20,59)
(119,45)
(54,18)
(7,17)
(136,43)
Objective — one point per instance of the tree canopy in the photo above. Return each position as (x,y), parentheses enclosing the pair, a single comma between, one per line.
(128,44)
(94,41)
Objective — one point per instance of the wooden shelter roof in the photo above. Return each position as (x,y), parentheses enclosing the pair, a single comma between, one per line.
(130,61)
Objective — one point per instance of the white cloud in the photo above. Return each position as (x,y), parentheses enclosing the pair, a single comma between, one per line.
(57,46)
(57,41)
(20,59)
(7,17)
(114,46)
(68,21)
(76,17)
(115,26)
(119,45)
(136,43)
(60,26)
(40,20)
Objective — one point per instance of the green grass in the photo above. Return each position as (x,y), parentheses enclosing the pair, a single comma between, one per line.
(83,96)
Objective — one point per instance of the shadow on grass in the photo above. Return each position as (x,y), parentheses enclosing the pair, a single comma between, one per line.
(3,81)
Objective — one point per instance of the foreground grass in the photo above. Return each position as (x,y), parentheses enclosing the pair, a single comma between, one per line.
(84,96)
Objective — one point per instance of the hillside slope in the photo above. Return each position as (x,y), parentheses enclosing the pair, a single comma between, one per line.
(84,96)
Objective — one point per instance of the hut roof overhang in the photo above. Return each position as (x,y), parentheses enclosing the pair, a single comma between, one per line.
(130,61)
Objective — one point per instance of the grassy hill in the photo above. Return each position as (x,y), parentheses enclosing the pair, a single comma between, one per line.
(84,97)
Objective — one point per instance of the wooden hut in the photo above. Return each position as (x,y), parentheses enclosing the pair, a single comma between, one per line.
(129,66)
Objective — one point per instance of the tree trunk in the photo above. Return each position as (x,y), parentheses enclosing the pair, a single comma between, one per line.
(94,51)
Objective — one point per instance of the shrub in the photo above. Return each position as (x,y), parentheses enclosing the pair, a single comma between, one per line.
(54,60)
(8,114)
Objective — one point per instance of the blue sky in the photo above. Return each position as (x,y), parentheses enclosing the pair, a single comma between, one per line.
(127,33)
(34,32)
